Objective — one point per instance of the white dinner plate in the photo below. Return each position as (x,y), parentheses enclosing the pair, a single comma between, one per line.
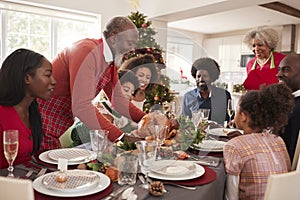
(76,180)
(210,145)
(71,154)
(199,171)
(100,186)
(45,158)
(222,131)
(173,167)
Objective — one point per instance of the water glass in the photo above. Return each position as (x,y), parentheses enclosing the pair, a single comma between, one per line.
(99,141)
(127,166)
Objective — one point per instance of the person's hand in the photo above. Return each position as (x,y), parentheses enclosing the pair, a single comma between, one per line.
(130,138)
(233,134)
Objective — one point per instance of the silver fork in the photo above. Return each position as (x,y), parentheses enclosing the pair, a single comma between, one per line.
(41,172)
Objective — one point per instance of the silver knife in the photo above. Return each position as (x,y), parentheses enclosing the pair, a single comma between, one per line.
(116,193)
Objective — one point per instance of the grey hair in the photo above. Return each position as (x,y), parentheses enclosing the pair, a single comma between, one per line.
(117,25)
(263,34)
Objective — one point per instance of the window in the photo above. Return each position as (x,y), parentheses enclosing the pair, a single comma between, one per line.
(45,30)
(179,59)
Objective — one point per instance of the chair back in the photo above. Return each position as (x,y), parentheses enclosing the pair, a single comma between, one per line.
(13,188)
(283,186)
(296,155)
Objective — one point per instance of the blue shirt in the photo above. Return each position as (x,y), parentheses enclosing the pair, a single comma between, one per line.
(216,102)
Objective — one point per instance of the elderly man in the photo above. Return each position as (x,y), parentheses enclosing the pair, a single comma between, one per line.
(82,71)
(205,71)
(289,74)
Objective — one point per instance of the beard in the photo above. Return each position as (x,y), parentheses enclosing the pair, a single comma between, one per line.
(202,87)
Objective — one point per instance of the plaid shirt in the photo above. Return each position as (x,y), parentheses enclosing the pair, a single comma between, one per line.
(253,157)
(81,72)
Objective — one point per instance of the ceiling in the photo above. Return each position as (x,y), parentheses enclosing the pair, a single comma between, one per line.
(221,16)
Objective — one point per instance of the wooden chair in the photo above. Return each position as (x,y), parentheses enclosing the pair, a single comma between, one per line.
(296,155)
(283,186)
(13,188)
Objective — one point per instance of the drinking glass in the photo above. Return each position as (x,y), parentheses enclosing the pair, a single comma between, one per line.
(159,132)
(127,165)
(230,109)
(146,151)
(99,142)
(196,117)
(11,145)
(204,114)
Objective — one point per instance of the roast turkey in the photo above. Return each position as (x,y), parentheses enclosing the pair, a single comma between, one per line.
(155,118)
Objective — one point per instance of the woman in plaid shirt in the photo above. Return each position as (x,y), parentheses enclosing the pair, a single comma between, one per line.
(252,157)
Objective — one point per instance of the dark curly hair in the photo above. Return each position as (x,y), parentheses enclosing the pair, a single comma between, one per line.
(128,76)
(268,107)
(207,64)
(146,60)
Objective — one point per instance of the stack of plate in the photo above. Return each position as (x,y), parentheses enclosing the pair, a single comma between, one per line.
(175,170)
(222,132)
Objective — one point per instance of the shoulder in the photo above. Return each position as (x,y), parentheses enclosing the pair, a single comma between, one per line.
(190,93)
(278,55)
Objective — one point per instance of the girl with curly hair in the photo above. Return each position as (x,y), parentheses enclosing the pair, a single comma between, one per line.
(252,157)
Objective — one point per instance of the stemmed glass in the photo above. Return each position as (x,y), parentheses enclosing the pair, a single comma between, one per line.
(159,132)
(230,109)
(11,145)
(204,114)
(146,153)
(196,117)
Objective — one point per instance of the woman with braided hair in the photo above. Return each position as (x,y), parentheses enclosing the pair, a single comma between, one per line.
(252,157)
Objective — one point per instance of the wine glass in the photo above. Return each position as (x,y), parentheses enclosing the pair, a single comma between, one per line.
(196,117)
(146,151)
(159,132)
(11,145)
(230,109)
(204,114)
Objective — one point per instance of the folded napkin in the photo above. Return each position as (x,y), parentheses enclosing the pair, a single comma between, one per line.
(96,196)
(209,176)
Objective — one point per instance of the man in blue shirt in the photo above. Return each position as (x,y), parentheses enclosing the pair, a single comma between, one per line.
(205,71)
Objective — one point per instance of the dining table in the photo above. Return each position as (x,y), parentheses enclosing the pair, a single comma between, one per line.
(210,186)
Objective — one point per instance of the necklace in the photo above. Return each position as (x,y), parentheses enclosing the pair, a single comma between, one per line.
(262,63)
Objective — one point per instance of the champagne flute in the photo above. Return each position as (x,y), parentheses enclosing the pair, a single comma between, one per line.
(11,145)
(146,154)
(230,109)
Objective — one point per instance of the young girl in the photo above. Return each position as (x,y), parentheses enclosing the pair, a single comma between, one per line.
(24,76)
(252,157)
(144,68)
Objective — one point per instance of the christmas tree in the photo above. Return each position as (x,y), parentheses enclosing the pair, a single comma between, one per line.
(160,93)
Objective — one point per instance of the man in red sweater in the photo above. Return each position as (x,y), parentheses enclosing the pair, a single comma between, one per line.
(81,72)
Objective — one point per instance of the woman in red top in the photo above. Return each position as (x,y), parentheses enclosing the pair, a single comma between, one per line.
(24,76)
(263,68)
